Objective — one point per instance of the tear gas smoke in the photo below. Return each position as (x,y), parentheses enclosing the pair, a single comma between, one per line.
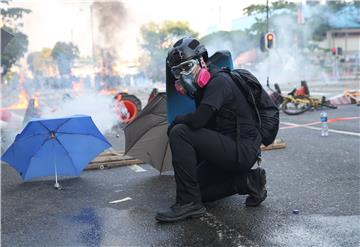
(291,60)
(99,107)
(109,20)
(236,43)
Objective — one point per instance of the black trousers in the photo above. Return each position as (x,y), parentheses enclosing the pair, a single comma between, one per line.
(206,163)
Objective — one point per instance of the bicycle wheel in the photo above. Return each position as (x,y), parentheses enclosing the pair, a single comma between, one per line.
(294,108)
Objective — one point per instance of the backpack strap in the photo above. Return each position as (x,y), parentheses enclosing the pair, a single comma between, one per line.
(241,84)
(233,116)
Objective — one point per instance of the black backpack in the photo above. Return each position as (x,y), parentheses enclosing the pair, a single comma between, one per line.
(266,110)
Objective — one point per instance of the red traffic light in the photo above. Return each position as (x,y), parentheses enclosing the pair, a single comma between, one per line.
(333,50)
(269,41)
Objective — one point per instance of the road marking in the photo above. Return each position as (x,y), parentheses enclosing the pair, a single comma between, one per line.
(293,125)
(225,232)
(121,200)
(137,168)
(331,120)
(307,126)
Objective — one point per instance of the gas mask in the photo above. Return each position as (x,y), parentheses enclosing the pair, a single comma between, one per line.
(187,83)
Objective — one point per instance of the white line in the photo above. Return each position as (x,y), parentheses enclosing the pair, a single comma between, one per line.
(317,128)
(137,168)
(225,232)
(121,200)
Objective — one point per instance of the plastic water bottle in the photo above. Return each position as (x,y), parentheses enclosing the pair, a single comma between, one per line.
(324,124)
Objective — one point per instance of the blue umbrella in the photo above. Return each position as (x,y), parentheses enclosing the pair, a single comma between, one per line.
(60,146)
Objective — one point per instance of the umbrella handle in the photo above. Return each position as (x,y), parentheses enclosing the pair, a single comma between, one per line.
(56,185)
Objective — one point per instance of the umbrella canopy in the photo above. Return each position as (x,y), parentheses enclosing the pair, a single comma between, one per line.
(146,138)
(6,37)
(61,146)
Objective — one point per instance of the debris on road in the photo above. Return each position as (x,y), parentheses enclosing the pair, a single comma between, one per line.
(110,159)
(121,200)
(277,144)
(347,97)
(295,211)
(137,168)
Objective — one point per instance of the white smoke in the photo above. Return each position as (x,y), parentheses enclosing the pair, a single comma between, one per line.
(289,63)
(296,56)
(99,107)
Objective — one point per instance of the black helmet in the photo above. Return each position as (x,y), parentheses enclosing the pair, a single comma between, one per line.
(185,49)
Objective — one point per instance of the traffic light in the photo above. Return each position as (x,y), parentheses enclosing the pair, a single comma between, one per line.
(262,42)
(269,40)
(337,51)
(333,51)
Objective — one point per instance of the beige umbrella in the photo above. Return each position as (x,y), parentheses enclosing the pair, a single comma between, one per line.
(146,138)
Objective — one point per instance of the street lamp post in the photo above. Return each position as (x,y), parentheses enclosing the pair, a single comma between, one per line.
(92,45)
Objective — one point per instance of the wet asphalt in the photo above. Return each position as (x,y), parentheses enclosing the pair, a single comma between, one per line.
(318,176)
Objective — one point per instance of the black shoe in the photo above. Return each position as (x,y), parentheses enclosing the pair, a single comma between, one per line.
(182,211)
(256,181)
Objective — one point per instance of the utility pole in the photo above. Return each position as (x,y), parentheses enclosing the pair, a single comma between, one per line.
(267,16)
(92,45)
(267,30)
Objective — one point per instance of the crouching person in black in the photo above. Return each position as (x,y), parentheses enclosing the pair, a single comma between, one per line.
(212,155)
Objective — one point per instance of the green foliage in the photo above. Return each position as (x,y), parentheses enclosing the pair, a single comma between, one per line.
(64,55)
(337,5)
(283,5)
(16,48)
(255,9)
(41,63)
(156,41)
(259,10)
(11,16)
(318,22)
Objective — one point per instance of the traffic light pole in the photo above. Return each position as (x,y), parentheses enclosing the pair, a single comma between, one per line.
(267,16)
(267,30)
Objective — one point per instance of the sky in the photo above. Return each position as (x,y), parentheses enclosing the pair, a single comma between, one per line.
(69,20)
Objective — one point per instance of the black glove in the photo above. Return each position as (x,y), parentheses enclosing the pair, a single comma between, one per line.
(180,119)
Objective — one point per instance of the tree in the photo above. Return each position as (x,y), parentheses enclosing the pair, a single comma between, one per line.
(317,22)
(41,63)
(11,16)
(259,12)
(11,20)
(157,40)
(14,50)
(64,55)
